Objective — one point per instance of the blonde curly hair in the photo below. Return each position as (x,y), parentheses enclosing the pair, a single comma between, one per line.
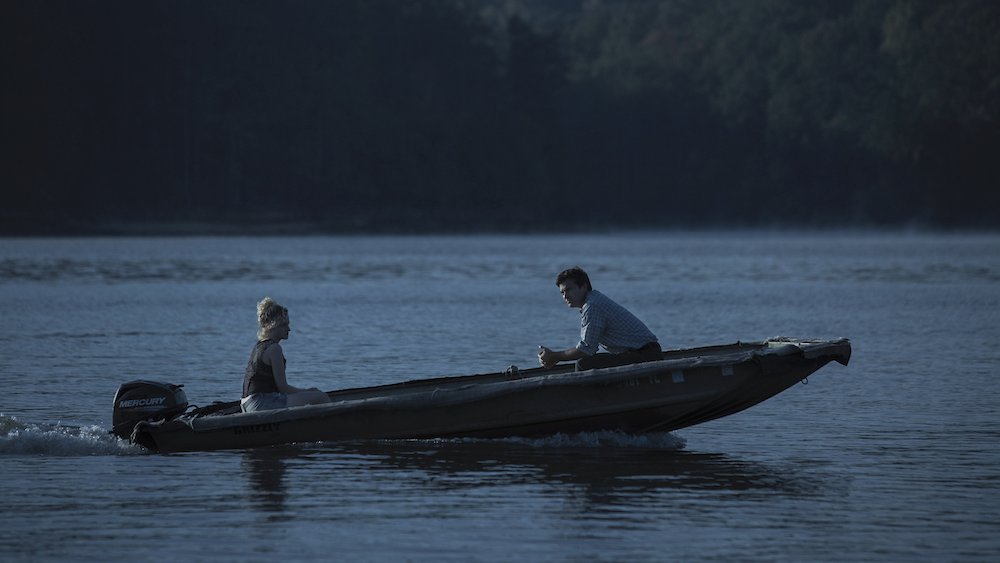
(269,315)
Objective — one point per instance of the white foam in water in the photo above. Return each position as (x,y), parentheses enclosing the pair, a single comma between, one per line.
(57,440)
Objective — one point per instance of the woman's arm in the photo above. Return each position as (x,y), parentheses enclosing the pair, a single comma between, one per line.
(275,358)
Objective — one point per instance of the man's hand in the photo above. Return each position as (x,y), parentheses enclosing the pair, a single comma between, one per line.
(547,358)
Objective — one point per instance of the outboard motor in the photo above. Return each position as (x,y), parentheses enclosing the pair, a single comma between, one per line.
(141,400)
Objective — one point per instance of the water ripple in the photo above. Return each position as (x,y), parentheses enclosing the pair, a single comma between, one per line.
(319,267)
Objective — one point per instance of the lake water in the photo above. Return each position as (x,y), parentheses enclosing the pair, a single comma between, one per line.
(896,457)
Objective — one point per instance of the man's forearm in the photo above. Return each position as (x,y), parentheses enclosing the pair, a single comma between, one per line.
(570,355)
(549,358)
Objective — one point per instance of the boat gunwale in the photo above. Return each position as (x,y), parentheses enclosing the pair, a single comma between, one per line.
(422,393)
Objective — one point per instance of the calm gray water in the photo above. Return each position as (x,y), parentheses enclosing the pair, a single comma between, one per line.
(896,457)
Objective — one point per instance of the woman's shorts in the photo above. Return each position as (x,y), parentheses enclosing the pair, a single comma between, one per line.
(264,402)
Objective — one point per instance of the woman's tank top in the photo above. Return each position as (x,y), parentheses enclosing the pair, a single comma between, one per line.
(259,377)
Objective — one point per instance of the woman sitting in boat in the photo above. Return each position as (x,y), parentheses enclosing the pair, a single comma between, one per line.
(264,385)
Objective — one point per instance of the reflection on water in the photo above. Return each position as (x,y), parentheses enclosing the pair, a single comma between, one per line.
(596,478)
(265,472)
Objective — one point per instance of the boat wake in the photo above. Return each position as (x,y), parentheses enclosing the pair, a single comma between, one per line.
(17,437)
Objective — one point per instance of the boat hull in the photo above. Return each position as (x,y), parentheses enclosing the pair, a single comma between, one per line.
(687,387)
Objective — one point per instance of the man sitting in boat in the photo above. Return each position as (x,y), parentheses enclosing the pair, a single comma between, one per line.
(264,385)
(602,322)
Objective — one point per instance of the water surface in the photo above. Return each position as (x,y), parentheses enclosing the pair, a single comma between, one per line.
(893,457)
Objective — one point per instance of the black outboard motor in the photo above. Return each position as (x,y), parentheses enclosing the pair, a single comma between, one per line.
(141,400)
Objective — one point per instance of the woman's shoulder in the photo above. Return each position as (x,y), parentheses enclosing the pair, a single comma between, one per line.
(264,344)
(268,347)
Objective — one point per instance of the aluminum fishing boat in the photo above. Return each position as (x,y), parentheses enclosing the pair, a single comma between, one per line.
(684,388)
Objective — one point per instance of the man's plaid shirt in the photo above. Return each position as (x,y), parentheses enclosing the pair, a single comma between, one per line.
(604,322)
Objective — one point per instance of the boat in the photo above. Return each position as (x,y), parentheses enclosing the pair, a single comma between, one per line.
(684,388)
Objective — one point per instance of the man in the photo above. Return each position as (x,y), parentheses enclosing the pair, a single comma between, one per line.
(602,322)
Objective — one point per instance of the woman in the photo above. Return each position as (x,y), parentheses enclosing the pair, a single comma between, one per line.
(264,385)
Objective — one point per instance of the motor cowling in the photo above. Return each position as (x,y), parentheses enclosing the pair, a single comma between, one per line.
(141,400)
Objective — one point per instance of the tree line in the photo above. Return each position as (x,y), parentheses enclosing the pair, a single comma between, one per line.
(458,115)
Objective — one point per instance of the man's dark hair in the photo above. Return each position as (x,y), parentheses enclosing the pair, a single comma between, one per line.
(576,275)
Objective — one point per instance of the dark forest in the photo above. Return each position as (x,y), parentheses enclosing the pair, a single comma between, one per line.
(456,116)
